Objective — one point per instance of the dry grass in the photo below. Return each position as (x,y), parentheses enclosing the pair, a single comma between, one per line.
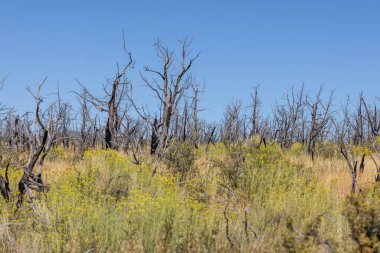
(334,172)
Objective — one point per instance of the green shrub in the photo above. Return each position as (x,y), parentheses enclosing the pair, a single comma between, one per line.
(309,240)
(243,162)
(377,144)
(363,215)
(297,149)
(233,167)
(326,149)
(56,153)
(180,158)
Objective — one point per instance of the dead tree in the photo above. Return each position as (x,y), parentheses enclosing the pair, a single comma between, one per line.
(259,126)
(185,121)
(89,124)
(154,124)
(5,112)
(4,185)
(375,157)
(256,105)
(233,124)
(15,131)
(359,124)
(135,136)
(84,122)
(171,84)
(209,135)
(320,115)
(288,118)
(195,108)
(372,117)
(4,181)
(246,123)
(40,144)
(154,142)
(343,132)
(113,102)
(265,134)
(3,109)
(96,132)
(65,110)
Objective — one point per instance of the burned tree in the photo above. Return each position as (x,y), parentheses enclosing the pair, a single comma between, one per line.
(84,121)
(372,117)
(359,124)
(41,141)
(320,115)
(65,111)
(288,118)
(4,185)
(344,131)
(171,85)
(113,102)
(256,105)
(233,123)
(259,125)
(154,142)
(196,110)
(209,134)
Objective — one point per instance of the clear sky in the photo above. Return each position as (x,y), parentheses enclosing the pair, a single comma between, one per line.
(276,44)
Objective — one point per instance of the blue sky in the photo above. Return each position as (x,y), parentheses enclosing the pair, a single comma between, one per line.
(277,44)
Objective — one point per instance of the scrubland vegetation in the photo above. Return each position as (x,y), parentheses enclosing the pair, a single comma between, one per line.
(232,198)
(301,178)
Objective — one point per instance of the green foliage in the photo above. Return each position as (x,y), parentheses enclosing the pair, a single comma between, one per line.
(377,143)
(297,149)
(199,189)
(180,157)
(363,215)
(326,149)
(240,160)
(255,140)
(233,168)
(309,240)
(56,153)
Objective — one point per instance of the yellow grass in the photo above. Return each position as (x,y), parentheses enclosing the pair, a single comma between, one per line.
(334,172)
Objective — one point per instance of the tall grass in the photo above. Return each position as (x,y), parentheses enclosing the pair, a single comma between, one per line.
(236,199)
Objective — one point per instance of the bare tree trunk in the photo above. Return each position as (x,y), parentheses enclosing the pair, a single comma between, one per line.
(255,112)
(195,131)
(154,138)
